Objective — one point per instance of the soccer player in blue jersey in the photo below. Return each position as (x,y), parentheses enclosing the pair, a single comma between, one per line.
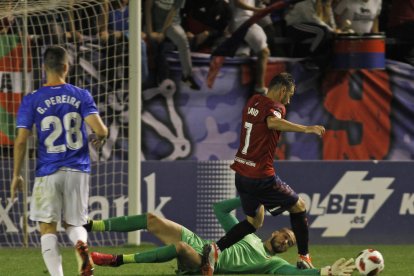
(59,112)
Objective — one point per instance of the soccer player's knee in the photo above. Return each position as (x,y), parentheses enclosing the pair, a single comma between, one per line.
(300,205)
(47,228)
(257,222)
(181,247)
(152,221)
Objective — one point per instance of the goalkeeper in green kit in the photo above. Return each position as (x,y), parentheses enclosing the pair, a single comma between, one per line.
(251,255)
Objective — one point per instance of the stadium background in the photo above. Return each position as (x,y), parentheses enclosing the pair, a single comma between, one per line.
(357,181)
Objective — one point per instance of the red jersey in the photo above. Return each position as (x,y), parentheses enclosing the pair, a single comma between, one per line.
(254,158)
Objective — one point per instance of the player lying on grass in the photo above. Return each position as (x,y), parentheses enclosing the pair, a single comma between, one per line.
(250,255)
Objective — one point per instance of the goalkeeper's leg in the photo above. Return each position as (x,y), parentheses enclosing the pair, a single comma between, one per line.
(181,250)
(165,230)
(118,224)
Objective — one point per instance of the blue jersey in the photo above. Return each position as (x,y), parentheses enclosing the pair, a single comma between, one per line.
(58,113)
(118,19)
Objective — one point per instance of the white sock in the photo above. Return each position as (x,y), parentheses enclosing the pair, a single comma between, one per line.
(76,233)
(51,254)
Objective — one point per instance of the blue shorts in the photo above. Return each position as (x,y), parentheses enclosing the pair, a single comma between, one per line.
(275,195)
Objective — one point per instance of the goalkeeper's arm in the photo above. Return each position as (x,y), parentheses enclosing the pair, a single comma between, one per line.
(340,268)
(222,211)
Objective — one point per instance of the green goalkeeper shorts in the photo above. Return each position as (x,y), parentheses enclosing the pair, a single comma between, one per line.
(195,242)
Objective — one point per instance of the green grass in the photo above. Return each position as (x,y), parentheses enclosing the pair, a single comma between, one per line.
(399,260)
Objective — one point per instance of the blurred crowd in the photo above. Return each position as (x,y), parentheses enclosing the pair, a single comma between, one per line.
(102,26)
(306,29)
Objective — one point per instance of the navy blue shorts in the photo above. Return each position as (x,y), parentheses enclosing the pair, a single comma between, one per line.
(275,195)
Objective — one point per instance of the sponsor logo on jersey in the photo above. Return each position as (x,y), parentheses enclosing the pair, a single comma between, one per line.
(277,114)
(252,111)
(275,208)
(351,204)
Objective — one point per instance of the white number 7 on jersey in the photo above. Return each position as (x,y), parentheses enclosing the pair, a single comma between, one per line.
(248,126)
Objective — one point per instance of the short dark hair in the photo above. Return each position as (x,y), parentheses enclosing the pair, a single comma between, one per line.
(284,80)
(54,58)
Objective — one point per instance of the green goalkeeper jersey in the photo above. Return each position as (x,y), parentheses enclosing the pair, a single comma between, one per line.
(248,256)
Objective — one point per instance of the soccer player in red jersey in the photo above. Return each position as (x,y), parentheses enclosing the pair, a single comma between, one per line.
(255,179)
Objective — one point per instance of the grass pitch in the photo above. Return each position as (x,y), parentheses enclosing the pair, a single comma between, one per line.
(399,260)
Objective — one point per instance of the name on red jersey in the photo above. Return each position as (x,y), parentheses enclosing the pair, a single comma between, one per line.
(252,111)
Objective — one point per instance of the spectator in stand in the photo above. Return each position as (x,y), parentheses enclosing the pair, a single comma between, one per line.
(7,21)
(43,30)
(144,59)
(116,20)
(401,26)
(206,22)
(312,19)
(270,29)
(114,35)
(162,20)
(255,38)
(80,24)
(362,15)
(84,23)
